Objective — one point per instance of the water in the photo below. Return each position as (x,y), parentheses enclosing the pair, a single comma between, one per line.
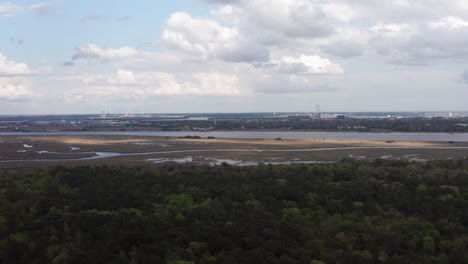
(396,136)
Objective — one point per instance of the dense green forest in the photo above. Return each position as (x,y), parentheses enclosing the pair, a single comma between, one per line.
(347,212)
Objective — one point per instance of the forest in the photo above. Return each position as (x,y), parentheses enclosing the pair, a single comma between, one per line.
(345,212)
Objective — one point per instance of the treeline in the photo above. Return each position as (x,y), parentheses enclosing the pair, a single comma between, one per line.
(416,124)
(400,125)
(348,212)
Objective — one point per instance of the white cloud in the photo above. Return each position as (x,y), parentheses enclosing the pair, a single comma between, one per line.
(202,84)
(13,85)
(297,26)
(400,11)
(73,98)
(251,47)
(392,41)
(231,14)
(210,40)
(339,11)
(345,49)
(8,9)
(402,31)
(11,68)
(449,22)
(253,29)
(308,65)
(421,43)
(146,84)
(13,89)
(43,9)
(290,84)
(394,31)
(125,77)
(216,83)
(287,18)
(93,51)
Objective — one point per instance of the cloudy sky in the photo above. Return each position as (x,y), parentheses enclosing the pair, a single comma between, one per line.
(142,56)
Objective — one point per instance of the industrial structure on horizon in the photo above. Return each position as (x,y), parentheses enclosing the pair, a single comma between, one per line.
(305,117)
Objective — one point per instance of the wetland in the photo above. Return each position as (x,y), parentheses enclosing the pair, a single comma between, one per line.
(34,151)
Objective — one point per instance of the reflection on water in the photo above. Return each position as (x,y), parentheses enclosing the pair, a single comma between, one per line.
(162,160)
(151,144)
(101,155)
(461,137)
(216,161)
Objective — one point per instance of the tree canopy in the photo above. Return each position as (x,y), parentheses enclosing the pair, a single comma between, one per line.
(346,212)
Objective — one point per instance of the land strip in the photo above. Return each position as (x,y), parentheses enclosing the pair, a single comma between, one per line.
(18,152)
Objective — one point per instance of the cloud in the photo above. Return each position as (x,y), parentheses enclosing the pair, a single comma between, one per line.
(216,83)
(277,86)
(13,89)
(210,40)
(298,26)
(450,23)
(423,43)
(289,84)
(73,98)
(395,31)
(399,11)
(125,77)
(464,77)
(13,80)
(390,39)
(142,85)
(11,68)
(43,9)
(243,48)
(93,51)
(287,18)
(8,9)
(339,11)
(345,49)
(250,23)
(401,31)
(306,65)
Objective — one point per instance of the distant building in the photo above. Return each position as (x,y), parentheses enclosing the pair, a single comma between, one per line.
(340,117)
(298,117)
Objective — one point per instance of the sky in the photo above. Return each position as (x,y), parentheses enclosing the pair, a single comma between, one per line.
(195,56)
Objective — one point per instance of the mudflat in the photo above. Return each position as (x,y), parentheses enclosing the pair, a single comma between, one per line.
(18,152)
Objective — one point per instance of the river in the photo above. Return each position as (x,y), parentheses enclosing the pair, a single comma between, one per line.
(396,136)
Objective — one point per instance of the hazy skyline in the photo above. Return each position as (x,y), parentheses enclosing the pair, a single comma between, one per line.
(233,56)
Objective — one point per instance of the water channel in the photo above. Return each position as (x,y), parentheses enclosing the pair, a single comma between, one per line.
(395,136)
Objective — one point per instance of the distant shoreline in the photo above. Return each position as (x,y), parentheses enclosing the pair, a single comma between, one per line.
(270,134)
